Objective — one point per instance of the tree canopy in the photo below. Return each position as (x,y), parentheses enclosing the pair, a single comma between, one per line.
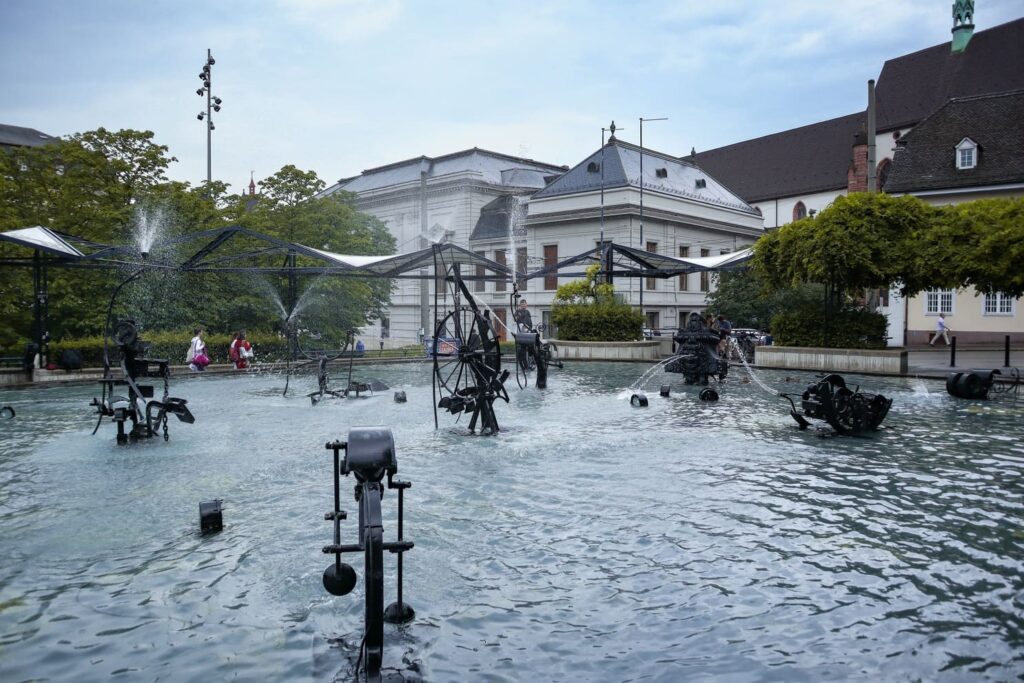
(103,185)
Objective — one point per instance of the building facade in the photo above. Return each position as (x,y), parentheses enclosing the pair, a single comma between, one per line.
(795,173)
(434,199)
(685,212)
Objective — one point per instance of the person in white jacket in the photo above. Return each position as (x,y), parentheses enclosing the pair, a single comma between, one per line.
(941,330)
(197,350)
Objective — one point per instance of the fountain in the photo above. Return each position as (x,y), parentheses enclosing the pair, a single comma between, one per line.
(847,412)
(369,456)
(146,415)
(976,384)
(467,360)
(532,351)
(697,356)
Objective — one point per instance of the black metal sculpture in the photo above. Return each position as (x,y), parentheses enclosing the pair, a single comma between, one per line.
(467,360)
(146,415)
(847,412)
(696,347)
(532,352)
(322,358)
(369,456)
(976,384)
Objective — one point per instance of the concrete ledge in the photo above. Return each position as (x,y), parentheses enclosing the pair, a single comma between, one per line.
(14,376)
(640,351)
(863,361)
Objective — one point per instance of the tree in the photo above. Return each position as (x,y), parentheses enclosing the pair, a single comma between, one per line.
(743,297)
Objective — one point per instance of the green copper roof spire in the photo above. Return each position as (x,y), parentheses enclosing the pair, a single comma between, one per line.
(963,24)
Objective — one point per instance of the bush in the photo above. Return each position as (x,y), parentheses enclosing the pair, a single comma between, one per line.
(847,328)
(601,321)
(173,346)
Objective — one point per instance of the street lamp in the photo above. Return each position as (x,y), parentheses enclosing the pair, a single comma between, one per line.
(612,128)
(642,119)
(212,105)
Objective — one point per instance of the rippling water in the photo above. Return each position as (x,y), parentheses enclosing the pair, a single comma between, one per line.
(589,540)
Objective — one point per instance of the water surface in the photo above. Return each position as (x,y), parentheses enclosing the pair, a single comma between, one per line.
(589,540)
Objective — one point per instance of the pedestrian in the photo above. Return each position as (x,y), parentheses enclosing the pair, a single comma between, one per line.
(197,358)
(360,348)
(724,330)
(941,329)
(240,351)
(523,318)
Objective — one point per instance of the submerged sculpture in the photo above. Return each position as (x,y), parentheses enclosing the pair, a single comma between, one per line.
(369,456)
(976,384)
(146,415)
(532,352)
(696,347)
(847,412)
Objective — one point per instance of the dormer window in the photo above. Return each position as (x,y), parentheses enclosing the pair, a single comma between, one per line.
(700,183)
(661,172)
(966,154)
(593,167)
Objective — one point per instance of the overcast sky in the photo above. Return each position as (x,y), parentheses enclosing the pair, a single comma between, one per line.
(338,86)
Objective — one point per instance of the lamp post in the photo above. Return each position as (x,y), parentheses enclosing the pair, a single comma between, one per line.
(642,119)
(612,128)
(212,105)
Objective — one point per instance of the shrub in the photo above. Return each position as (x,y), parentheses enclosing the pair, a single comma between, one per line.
(173,346)
(847,328)
(599,321)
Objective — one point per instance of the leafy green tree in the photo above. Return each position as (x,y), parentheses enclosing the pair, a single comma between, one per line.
(743,297)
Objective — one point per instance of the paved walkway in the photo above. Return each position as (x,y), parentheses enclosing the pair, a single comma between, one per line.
(934,362)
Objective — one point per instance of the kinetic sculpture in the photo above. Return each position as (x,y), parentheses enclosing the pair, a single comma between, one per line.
(322,358)
(467,360)
(532,352)
(976,384)
(146,415)
(697,356)
(847,412)
(369,455)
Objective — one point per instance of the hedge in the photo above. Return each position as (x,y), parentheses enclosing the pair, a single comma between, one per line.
(173,346)
(847,329)
(603,321)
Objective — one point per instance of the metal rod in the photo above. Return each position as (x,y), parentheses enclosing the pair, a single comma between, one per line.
(209,118)
(1006,352)
(401,502)
(952,353)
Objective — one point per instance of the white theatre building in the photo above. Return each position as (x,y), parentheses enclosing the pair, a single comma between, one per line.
(528,214)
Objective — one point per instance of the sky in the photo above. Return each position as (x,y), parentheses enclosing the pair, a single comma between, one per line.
(339,86)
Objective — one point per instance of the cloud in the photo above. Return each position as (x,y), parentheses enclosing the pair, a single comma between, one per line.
(343,21)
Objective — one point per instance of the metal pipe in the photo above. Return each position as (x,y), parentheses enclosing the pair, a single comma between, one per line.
(1006,352)
(952,353)
(872,184)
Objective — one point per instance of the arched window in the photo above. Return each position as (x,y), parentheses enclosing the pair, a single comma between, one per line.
(799,211)
(882,174)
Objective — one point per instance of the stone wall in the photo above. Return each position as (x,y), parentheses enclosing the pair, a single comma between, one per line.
(642,351)
(862,361)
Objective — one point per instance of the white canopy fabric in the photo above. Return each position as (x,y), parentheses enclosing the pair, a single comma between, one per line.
(42,239)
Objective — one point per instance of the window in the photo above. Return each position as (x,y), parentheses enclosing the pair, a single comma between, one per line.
(652,283)
(799,211)
(882,174)
(481,284)
(550,259)
(684,317)
(966,154)
(684,252)
(938,301)
(521,267)
(499,258)
(998,304)
(385,327)
(653,320)
(700,183)
(661,172)
(705,280)
(593,167)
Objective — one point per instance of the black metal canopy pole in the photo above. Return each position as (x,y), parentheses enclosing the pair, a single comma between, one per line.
(40,305)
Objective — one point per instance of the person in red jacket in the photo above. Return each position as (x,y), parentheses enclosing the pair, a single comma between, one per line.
(240,351)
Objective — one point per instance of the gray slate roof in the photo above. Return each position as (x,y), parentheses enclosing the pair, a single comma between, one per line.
(496,216)
(16,136)
(913,86)
(490,167)
(815,158)
(926,158)
(622,168)
(803,160)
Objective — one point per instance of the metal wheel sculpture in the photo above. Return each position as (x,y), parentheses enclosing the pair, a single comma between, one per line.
(320,354)
(532,353)
(467,362)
